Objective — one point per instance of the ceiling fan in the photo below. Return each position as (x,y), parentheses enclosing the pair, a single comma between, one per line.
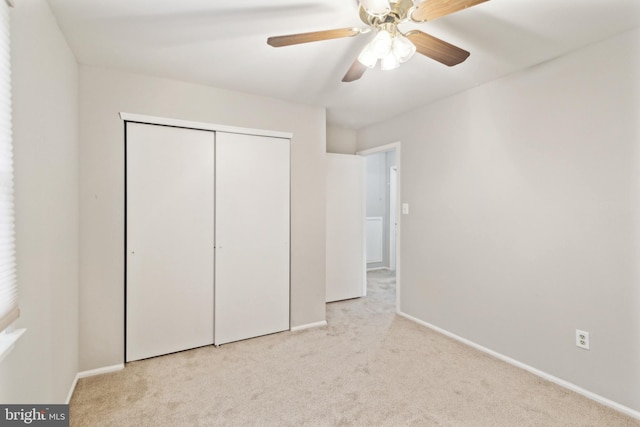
(390,45)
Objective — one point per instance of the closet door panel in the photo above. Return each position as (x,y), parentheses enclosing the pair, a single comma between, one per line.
(252,236)
(170,239)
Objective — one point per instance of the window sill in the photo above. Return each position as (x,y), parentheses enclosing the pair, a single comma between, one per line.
(8,341)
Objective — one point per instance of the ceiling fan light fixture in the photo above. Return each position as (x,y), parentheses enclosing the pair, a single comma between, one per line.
(389,44)
(376,7)
(391,47)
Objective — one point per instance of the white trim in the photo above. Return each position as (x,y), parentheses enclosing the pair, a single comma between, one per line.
(393,218)
(381,149)
(8,341)
(91,373)
(100,371)
(139,118)
(563,383)
(363,214)
(72,389)
(309,326)
(390,147)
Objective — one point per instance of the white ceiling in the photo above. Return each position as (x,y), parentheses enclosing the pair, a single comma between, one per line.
(223,44)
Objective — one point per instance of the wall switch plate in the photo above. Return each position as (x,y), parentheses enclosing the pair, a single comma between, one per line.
(405,209)
(582,339)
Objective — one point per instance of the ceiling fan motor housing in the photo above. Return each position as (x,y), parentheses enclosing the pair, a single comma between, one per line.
(398,13)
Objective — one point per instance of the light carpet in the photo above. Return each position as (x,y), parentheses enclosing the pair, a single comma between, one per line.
(368,367)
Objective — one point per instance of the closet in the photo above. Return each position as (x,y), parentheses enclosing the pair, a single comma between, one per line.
(207,234)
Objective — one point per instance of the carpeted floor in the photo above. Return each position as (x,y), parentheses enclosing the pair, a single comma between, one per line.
(369,367)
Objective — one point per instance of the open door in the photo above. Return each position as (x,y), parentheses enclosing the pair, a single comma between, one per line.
(345,254)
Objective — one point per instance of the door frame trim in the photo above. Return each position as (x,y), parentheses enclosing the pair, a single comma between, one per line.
(166,121)
(384,148)
(393,229)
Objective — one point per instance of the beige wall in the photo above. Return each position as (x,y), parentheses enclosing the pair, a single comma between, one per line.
(524,215)
(42,366)
(341,140)
(105,93)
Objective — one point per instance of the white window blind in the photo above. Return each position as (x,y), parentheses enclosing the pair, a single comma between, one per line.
(8,286)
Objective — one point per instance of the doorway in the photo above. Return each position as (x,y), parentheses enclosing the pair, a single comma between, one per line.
(382,219)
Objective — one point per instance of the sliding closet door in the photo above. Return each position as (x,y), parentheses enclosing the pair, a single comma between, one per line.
(252,233)
(170,241)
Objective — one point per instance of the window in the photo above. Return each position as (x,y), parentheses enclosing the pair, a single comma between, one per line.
(9,310)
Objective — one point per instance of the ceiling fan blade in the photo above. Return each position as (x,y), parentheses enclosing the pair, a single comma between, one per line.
(315,36)
(355,72)
(437,49)
(432,9)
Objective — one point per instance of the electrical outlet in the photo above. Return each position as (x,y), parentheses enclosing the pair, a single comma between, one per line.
(582,339)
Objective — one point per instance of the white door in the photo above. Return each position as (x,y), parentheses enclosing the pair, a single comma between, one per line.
(252,236)
(170,241)
(393,216)
(345,211)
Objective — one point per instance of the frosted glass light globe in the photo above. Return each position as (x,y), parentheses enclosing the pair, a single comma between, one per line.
(367,57)
(402,48)
(381,44)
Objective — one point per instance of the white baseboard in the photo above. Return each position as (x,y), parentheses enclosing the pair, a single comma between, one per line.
(72,389)
(91,373)
(309,326)
(100,371)
(566,384)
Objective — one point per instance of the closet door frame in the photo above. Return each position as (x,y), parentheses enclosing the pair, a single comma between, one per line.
(165,121)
